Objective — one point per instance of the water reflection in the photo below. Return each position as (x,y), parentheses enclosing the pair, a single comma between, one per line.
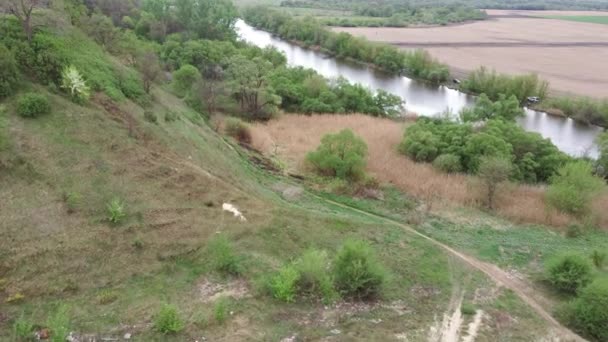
(423,98)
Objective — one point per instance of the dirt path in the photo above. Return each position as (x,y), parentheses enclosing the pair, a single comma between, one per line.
(523,290)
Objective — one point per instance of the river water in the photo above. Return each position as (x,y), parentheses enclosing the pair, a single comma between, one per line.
(422,98)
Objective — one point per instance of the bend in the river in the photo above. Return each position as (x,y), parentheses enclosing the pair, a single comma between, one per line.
(422,98)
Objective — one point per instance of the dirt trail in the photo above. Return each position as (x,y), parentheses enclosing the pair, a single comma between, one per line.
(519,287)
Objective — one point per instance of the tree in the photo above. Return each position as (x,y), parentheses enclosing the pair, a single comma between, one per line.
(340,155)
(212,88)
(249,83)
(185,78)
(493,171)
(573,188)
(22,9)
(212,19)
(102,30)
(147,63)
(8,72)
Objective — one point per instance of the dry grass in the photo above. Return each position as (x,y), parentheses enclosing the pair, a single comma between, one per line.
(292,136)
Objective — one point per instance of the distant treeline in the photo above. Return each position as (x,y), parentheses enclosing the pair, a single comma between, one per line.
(357,5)
(308,31)
(398,15)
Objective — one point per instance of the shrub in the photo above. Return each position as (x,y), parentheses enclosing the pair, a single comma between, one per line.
(357,272)
(220,310)
(448,162)
(239,130)
(185,78)
(171,116)
(167,321)
(116,210)
(150,116)
(32,105)
(588,312)
(73,82)
(569,272)
(340,155)
(222,256)
(573,188)
(9,73)
(59,324)
(314,279)
(574,230)
(599,258)
(467,309)
(283,285)
(23,329)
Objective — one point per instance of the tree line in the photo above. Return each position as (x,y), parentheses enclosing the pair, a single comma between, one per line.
(310,32)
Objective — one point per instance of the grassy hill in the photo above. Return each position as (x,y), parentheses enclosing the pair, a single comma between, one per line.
(65,266)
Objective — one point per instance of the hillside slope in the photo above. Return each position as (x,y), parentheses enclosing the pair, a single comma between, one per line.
(64,265)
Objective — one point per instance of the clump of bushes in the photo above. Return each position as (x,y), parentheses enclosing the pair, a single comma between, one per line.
(588,313)
(9,73)
(168,321)
(358,273)
(573,188)
(222,256)
(32,105)
(599,258)
(494,84)
(569,272)
(354,273)
(221,310)
(340,155)
(239,130)
(23,329)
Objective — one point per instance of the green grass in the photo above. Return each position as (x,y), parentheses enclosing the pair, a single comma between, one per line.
(595,19)
(510,245)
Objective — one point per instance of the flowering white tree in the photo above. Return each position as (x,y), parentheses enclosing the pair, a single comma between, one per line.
(74,83)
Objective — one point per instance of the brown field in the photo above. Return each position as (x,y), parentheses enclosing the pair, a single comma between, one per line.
(291,136)
(570,55)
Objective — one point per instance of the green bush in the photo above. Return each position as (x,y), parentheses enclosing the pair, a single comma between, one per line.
(59,324)
(222,256)
(340,155)
(467,309)
(9,73)
(221,310)
(569,272)
(167,321)
(23,329)
(150,116)
(314,280)
(184,79)
(599,258)
(448,162)
(32,105)
(116,210)
(239,130)
(573,188)
(588,313)
(358,274)
(283,285)
(171,116)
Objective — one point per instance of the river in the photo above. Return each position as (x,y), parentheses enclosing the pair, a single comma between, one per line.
(422,98)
